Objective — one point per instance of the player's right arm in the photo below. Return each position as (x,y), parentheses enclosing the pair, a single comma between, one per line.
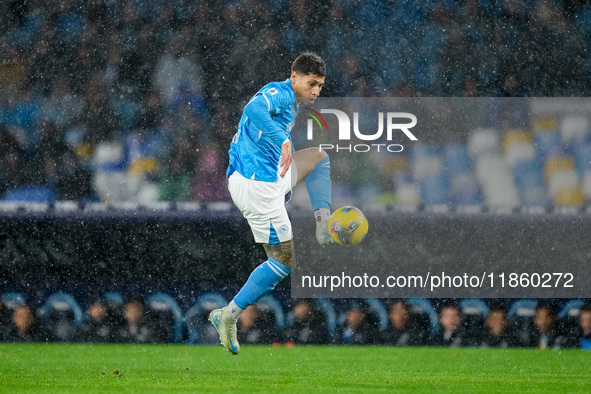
(285,160)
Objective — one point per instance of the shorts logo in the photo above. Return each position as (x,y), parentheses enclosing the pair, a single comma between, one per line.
(284,229)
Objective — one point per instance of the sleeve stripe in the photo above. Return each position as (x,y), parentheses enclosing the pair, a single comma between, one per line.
(268,103)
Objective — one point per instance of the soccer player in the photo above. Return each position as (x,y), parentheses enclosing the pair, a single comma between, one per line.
(263,169)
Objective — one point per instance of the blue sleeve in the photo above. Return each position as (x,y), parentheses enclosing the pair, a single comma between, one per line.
(259,111)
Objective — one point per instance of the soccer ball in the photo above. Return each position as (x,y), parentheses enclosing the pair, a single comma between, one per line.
(348,226)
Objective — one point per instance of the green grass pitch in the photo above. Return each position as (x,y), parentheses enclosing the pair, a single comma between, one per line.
(63,368)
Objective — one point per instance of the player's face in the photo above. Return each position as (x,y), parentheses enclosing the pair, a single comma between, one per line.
(306,87)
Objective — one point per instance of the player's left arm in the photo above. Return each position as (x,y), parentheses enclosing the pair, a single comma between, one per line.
(259,110)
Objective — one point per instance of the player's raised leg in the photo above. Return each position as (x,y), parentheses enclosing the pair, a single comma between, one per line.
(314,165)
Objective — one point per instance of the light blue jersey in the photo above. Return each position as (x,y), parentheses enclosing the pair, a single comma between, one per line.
(266,123)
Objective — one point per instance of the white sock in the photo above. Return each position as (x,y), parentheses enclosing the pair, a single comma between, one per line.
(234,310)
(322,214)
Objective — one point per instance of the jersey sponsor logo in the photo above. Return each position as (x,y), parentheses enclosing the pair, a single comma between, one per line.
(272,91)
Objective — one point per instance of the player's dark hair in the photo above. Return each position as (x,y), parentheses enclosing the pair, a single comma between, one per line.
(309,63)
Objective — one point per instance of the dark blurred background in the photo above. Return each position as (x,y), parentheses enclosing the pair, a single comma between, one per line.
(137,100)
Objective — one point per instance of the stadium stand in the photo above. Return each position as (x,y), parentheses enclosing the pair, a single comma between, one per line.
(311,321)
(331,315)
(60,321)
(62,315)
(103,76)
(522,308)
(475,312)
(568,317)
(165,312)
(113,298)
(374,308)
(272,311)
(30,194)
(571,309)
(423,310)
(123,115)
(12,300)
(521,315)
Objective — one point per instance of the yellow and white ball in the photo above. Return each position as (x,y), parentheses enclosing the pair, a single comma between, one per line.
(348,226)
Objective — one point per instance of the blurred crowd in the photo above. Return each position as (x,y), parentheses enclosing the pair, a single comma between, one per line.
(400,323)
(154,89)
(127,323)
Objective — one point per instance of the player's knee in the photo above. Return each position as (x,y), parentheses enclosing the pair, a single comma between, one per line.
(318,156)
(315,155)
(281,252)
(321,155)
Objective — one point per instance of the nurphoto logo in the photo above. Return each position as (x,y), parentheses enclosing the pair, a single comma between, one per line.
(396,122)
